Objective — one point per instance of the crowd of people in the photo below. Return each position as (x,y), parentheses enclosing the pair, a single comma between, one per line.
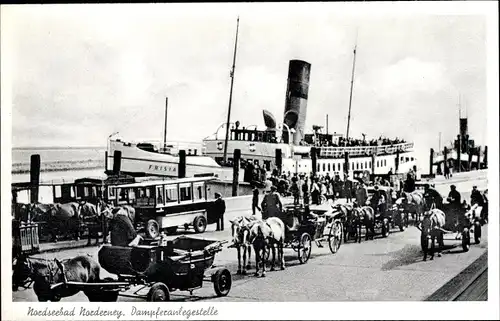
(356,142)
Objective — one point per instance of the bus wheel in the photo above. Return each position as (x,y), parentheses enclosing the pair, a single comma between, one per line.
(200,224)
(152,229)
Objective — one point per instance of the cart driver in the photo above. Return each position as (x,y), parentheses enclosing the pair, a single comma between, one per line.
(271,204)
(122,230)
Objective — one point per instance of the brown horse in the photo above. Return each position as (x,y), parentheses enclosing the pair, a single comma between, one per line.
(240,228)
(59,218)
(46,273)
(431,227)
(347,218)
(413,203)
(364,215)
(266,235)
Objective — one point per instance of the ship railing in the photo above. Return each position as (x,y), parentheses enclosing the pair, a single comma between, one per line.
(337,152)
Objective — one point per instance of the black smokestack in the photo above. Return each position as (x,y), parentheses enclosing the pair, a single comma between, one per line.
(296,99)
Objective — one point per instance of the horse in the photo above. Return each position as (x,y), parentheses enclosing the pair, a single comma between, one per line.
(58,217)
(413,203)
(364,215)
(346,211)
(240,228)
(431,227)
(265,235)
(45,273)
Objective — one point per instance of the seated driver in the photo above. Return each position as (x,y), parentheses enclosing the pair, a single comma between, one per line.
(122,231)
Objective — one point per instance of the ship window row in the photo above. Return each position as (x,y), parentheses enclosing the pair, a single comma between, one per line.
(406,159)
(329,167)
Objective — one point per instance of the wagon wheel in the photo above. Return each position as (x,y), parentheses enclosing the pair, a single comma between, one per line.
(200,224)
(477,232)
(335,236)
(158,293)
(152,229)
(466,239)
(222,282)
(304,249)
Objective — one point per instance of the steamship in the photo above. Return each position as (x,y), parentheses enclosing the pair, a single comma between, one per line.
(284,147)
(462,156)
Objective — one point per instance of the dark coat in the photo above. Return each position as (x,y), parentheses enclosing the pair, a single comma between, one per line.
(455,198)
(476,198)
(219,207)
(122,231)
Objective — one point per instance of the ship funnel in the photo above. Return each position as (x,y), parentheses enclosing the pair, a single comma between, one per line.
(296,99)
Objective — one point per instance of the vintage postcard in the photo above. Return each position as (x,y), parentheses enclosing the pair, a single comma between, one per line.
(250,161)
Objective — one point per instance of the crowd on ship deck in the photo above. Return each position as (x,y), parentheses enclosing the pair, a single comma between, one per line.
(355,142)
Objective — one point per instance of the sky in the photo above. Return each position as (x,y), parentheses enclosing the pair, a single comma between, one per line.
(82,72)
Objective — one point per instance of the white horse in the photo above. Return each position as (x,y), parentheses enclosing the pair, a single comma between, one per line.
(265,235)
(240,228)
(432,228)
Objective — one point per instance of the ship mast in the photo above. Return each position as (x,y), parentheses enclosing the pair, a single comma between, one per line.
(350,95)
(231,91)
(165,129)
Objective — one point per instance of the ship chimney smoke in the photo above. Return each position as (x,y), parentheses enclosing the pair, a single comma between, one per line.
(296,99)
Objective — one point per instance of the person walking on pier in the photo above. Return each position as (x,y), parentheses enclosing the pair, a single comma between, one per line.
(220,209)
(255,200)
(361,195)
(455,200)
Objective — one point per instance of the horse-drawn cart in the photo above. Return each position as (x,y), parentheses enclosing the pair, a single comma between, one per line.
(318,225)
(183,264)
(464,221)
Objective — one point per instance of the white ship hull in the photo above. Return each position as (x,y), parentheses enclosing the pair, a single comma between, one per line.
(136,161)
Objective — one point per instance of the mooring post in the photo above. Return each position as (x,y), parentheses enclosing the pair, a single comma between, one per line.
(34,177)
(117,162)
(236,171)
(431,161)
(314,161)
(182,164)
(278,160)
(445,162)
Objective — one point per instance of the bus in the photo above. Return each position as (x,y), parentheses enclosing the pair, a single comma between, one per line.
(165,205)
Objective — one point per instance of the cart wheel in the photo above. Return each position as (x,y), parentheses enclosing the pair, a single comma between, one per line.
(222,282)
(335,237)
(304,249)
(171,230)
(152,229)
(200,224)
(158,293)
(477,232)
(465,240)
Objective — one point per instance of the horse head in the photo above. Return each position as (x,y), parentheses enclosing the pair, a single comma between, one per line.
(36,210)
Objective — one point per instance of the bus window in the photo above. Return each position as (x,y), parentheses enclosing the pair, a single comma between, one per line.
(160,195)
(131,196)
(122,195)
(57,191)
(171,194)
(199,191)
(185,192)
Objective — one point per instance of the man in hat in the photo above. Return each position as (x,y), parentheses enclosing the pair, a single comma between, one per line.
(255,200)
(375,199)
(361,195)
(220,209)
(122,230)
(271,204)
(454,198)
(476,197)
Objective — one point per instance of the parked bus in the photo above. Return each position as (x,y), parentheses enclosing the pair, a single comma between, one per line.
(167,204)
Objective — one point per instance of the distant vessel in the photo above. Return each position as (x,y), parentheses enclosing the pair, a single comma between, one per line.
(462,156)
